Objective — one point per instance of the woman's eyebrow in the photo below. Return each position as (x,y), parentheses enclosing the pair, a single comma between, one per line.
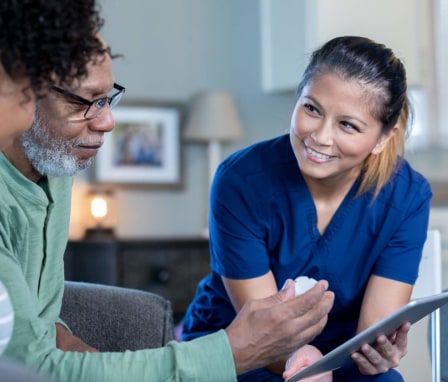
(311,98)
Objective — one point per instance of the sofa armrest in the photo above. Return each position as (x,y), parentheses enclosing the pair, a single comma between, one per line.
(112,318)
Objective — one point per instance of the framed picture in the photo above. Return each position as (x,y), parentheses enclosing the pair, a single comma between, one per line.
(144,147)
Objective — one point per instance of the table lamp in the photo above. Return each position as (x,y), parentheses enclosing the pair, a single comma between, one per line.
(213,119)
(99,208)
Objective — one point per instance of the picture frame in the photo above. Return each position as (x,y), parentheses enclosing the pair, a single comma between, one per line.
(144,147)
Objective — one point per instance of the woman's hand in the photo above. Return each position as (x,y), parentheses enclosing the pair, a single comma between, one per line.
(385,354)
(303,357)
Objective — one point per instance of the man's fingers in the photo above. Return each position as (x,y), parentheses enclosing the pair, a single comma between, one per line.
(267,330)
(307,299)
(307,314)
(312,296)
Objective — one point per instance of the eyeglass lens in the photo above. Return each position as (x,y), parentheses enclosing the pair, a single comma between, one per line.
(98,105)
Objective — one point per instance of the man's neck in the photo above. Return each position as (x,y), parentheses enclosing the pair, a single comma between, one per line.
(15,153)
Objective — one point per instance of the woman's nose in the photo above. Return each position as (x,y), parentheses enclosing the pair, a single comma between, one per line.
(323,135)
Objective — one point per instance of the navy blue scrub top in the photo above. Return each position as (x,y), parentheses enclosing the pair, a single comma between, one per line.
(263,218)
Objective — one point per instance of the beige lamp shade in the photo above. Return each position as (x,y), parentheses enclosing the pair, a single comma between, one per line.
(213,117)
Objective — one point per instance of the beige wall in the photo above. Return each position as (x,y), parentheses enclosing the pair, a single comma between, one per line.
(173,49)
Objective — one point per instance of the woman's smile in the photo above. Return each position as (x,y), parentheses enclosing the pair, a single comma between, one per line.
(317,156)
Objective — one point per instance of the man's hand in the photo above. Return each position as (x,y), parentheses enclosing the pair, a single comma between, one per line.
(68,342)
(267,330)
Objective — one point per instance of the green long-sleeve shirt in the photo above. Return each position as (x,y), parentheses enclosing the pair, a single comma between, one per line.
(34,221)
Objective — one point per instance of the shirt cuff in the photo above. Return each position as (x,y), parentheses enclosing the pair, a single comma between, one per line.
(211,358)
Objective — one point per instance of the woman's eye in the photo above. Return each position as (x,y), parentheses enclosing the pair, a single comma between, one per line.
(310,108)
(349,126)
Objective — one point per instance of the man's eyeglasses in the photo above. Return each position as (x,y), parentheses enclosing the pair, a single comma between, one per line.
(97,105)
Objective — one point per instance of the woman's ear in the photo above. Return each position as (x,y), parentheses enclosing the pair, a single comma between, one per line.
(384,138)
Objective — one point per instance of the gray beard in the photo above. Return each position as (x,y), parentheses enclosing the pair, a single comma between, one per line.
(49,155)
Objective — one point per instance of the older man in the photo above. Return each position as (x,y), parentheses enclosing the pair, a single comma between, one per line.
(41,42)
(35,184)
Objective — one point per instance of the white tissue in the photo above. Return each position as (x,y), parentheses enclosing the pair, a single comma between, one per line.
(303,283)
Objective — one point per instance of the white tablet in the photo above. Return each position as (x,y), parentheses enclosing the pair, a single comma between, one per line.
(412,312)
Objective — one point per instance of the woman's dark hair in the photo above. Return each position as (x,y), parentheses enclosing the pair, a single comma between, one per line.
(375,67)
(48,40)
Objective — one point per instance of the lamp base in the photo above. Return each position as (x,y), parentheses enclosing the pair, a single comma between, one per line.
(99,234)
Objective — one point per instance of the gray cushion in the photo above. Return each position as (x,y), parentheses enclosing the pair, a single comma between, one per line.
(112,318)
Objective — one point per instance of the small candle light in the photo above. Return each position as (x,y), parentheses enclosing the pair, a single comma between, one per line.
(98,208)
(100,204)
